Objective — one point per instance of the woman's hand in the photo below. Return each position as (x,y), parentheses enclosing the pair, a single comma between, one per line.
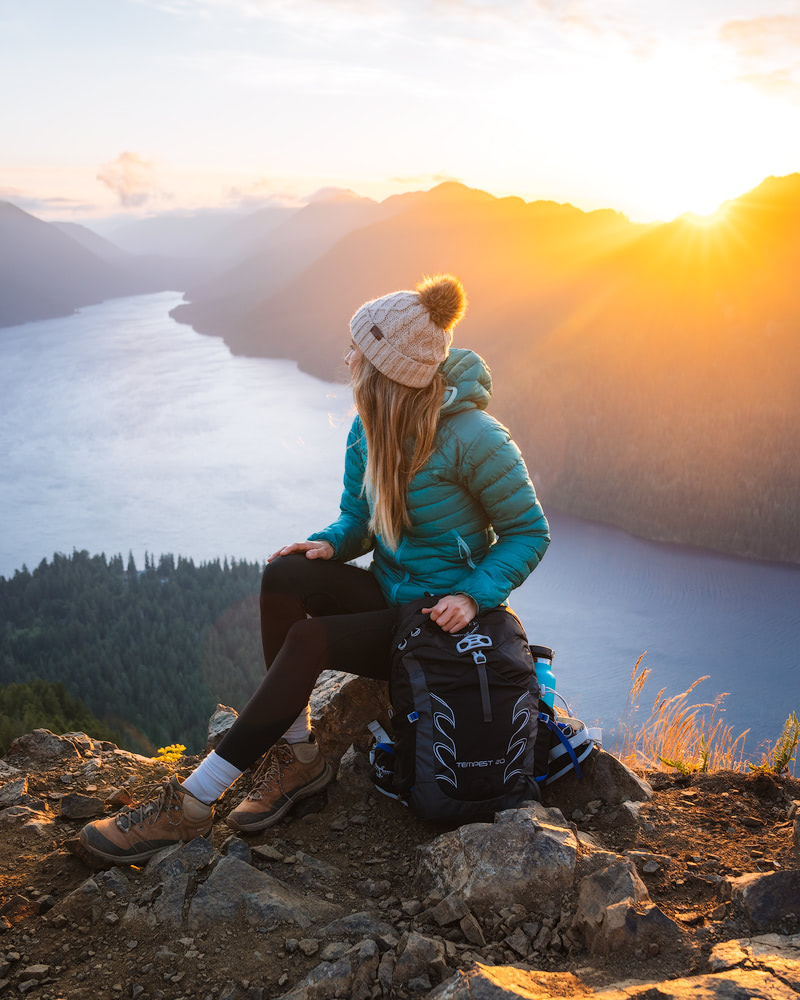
(453,612)
(319,549)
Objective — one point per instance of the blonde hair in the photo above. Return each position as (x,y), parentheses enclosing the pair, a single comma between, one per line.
(400,423)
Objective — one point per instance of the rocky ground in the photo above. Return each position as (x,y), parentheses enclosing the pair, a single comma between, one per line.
(695,882)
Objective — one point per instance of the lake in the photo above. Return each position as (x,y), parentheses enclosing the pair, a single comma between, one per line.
(121,431)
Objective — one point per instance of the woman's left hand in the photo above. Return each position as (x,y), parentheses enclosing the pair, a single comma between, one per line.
(453,612)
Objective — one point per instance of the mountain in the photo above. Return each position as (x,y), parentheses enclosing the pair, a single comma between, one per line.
(213,235)
(90,240)
(284,251)
(649,373)
(52,269)
(45,273)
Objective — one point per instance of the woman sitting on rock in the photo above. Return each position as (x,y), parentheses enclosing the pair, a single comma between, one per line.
(436,489)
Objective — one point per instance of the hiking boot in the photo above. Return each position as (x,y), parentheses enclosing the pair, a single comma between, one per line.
(288,772)
(139,831)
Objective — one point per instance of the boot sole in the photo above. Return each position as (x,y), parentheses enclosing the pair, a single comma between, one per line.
(302,793)
(99,860)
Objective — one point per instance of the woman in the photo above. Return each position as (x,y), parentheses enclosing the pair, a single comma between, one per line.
(439,493)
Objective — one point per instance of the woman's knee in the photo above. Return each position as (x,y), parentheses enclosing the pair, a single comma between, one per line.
(281,575)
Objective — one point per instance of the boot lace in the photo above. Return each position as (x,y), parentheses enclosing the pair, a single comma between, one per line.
(269,772)
(156,798)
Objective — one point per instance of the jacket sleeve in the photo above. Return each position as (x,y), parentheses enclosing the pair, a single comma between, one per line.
(494,472)
(349,534)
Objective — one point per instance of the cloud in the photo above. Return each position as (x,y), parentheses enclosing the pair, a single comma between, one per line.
(39,205)
(768,52)
(438,178)
(762,37)
(131,178)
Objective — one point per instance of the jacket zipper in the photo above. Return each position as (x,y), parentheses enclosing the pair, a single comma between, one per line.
(464,550)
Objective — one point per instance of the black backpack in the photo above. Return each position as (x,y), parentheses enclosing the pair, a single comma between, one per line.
(465,716)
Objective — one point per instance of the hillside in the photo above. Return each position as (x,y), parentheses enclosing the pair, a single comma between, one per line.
(648,373)
(52,269)
(114,635)
(336,900)
(45,273)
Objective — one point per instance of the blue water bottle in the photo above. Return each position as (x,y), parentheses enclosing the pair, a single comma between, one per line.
(543,661)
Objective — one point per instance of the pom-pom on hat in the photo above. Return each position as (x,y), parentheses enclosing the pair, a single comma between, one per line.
(407,335)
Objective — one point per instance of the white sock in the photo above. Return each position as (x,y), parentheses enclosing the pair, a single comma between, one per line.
(211,778)
(300,729)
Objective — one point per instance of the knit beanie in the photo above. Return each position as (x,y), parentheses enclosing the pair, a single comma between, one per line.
(406,334)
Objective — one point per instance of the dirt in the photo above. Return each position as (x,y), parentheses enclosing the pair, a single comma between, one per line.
(707,828)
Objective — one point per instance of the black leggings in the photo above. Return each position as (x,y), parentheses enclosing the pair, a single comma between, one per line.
(350,629)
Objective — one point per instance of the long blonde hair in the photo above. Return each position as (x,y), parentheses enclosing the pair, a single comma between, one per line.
(400,423)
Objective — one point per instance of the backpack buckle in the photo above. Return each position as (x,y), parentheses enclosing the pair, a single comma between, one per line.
(473,641)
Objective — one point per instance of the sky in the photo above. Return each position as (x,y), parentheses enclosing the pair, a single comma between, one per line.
(651,107)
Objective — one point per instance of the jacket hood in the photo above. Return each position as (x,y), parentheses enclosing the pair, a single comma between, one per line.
(468,381)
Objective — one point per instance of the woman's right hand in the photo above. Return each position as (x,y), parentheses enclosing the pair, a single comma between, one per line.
(319,549)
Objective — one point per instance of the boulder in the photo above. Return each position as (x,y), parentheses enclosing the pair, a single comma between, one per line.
(526,856)
(92,898)
(766,899)
(12,791)
(420,955)
(605,779)
(42,747)
(222,718)
(483,982)
(325,981)
(234,889)
(615,911)
(342,705)
(77,806)
(358,925)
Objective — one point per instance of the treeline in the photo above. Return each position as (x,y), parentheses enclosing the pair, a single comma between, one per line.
(42,705)
(149,652)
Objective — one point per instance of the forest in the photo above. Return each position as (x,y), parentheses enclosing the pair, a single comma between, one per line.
(148,652)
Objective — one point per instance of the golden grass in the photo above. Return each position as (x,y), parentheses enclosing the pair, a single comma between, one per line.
(679,735)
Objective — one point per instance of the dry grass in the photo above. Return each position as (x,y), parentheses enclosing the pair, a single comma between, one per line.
(679,735)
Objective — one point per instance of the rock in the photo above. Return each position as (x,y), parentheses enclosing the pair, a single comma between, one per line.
(508,982)
(649,863)
(90,900)
(18,908)
(12,791)
(451,909)
(77,806)
(334,951)
(726,955)
(315,867)
(518,942)
(235,847)
(471,930)
(220,722)
(326,980)
(386,972)
(342,704)
(42,746)
(23,814)
(417,957)
(615,911)
(8,772)
(365,958)
(354,780)
(767,898)
(358,925)
(235,889)
(605,778)
(266,852)
(35,972)
(527,856)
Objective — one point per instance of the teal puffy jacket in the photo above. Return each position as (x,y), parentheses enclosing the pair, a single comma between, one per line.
(476,525)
